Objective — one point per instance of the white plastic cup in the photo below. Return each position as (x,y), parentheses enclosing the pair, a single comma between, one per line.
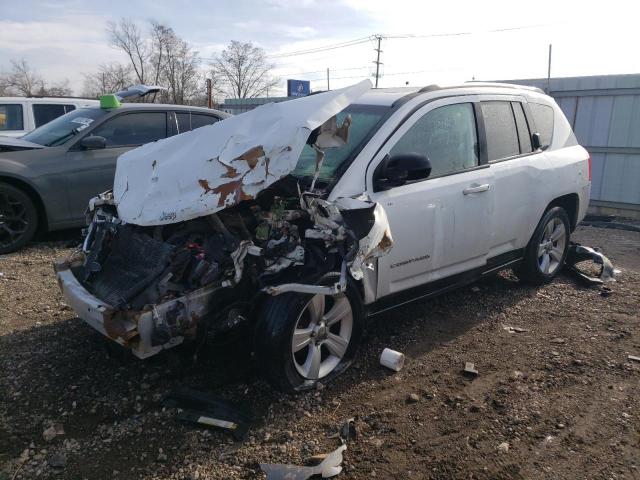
(392,359)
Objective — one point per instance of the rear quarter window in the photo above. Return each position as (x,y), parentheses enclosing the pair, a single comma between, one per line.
(543,118)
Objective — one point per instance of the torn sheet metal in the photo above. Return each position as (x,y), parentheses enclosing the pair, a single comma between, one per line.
(213,167)
(329,467)
(376,243)
(579,253)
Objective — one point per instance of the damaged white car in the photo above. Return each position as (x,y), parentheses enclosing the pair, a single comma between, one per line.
(298,220)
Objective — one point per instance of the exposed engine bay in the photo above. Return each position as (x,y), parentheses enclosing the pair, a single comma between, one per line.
(150,286)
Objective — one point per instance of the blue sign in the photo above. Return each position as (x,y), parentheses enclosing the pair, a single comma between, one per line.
(298,88)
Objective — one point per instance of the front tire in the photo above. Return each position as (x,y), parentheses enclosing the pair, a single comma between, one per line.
(546,252)
(18,218)
(304,339)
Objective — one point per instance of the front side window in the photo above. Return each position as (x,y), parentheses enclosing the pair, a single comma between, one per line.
(11,117)
(543,118)
(500,128)
(133,129)
(447,136)
(45,112)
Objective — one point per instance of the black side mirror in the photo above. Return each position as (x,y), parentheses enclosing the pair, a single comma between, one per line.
(535,141)
(93,142)
(400,169)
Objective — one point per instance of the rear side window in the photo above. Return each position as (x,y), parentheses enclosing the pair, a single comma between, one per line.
(447,136)
(524,135)
(11,117)
(133,129)
(500,128)
(543,118)
(45,112)
(191,121)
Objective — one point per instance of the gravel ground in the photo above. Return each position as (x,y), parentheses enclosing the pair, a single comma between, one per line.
(556,396)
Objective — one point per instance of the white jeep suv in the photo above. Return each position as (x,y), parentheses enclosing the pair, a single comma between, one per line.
(297,221)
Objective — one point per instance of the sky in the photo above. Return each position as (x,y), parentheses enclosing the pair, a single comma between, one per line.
(425,42)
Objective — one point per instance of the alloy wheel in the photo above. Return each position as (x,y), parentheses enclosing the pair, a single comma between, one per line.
(552,246)
(13,219)
(321,335)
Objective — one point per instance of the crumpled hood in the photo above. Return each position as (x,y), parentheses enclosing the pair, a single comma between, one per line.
(10,144)
(206,170)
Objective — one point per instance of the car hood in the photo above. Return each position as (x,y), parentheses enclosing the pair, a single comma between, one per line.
(9,144)
(206,170)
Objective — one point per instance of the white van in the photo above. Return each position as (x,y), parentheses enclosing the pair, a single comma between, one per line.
(20,115)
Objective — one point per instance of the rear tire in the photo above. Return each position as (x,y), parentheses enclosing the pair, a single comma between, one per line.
(18,218)
(326,342)
(547,249)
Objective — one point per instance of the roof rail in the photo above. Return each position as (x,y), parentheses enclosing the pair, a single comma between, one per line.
(474,83)
(504,85)
(430,88)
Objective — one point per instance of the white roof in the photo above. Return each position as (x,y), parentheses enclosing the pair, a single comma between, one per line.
(82,101)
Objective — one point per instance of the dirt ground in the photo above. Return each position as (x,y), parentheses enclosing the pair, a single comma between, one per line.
(556,398)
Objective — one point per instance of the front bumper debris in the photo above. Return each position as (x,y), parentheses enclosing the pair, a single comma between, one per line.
(145,332)
(579,253)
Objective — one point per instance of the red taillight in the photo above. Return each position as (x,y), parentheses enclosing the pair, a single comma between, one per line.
(589,159)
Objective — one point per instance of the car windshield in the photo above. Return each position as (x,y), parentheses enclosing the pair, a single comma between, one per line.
(64,128)
(364,120)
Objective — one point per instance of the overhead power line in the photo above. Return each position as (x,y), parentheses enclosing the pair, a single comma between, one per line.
(350,43)
(362,40)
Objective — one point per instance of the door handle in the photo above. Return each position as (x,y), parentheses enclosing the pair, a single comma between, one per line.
(475,188)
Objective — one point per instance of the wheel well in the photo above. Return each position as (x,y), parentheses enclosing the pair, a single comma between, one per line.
(570,204)
(35,198)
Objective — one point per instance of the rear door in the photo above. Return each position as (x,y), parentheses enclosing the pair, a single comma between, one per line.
(441,225)
(516,170)
(92,171)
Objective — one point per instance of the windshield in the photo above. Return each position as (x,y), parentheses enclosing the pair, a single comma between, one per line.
(364,120)
(64,128)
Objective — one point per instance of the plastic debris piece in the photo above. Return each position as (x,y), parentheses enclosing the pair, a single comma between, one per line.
(633,358)
(392,359)
(470,370)
(53,431)
(348,431)
(578,253)
(205,410)
(329,467)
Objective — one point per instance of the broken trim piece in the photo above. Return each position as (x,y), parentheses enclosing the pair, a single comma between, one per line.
(578,253)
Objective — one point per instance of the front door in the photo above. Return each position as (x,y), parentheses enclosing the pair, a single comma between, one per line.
(92,171)
(441,225)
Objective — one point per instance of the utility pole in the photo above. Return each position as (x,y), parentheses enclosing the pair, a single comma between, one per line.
(328,88)
(209,94)
(549,71)
(377,60)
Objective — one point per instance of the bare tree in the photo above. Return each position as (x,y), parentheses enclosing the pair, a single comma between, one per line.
(26,81)
(110,77)
(60,89)
(243,71)
(126,36)
(180,69)
(22,79)
(160,58)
